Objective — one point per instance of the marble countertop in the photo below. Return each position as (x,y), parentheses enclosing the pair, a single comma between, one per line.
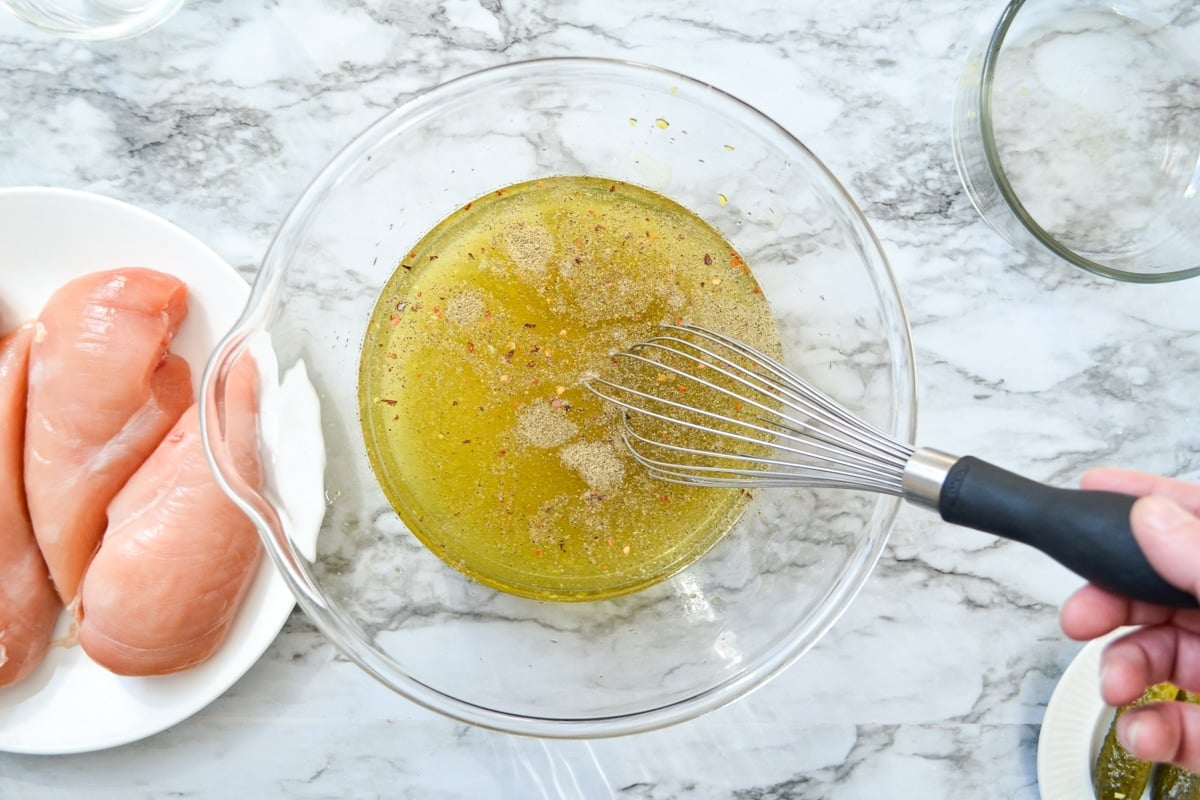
(935,682)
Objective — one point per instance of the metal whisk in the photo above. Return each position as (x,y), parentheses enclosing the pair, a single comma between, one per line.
(701,408)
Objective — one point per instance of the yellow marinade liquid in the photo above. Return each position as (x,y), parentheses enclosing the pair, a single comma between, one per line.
(475,419)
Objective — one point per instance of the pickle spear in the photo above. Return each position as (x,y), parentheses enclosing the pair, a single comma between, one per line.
(1120,776)
(1173,783)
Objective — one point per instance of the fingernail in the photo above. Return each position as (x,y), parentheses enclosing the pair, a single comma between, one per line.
(1160,514)
(1129,733)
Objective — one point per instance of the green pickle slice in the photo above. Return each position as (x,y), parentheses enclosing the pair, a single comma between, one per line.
(1173,783)
(1120,776)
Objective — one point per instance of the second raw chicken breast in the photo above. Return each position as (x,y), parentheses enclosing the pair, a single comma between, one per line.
(178,557)
(103,391)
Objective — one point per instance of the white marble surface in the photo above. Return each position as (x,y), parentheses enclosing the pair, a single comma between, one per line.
(935,681)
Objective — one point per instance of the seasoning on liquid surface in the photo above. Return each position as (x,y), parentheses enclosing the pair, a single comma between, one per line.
(475,419)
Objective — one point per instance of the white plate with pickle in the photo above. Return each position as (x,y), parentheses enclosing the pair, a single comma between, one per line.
(1073,730)
(1073,727)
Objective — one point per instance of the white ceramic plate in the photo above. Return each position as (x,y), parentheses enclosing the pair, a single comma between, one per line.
(48,236)
(1073,727)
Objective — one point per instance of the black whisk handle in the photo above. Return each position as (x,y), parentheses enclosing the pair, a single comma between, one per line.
(1088,532)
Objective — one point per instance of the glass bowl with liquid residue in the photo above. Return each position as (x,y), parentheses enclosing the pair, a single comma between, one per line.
(703,630)
(1076,133)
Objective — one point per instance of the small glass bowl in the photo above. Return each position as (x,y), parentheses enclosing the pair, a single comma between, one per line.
(755,602)
(1076,130)
(95,20)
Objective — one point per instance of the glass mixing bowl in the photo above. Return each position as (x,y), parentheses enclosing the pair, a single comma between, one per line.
(710,633)
(1076,131)
(94,20)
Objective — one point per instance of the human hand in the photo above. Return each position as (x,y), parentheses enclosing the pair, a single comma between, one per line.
(1166,646)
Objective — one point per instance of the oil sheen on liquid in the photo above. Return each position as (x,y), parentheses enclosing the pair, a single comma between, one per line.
(473,413)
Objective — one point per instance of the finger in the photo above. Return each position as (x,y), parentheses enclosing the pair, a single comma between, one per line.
(1169,536)
(1091,612)
(1163,732)
(1140,484)
(1148,656)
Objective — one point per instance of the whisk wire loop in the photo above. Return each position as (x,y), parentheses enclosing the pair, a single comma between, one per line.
(785,432)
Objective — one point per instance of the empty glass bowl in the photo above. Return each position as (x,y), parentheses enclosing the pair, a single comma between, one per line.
(1077,131)
(94,19)
(755,602)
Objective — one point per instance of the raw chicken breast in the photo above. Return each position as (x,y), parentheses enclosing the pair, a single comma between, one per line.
(178,557)
(103,391)
(28,603)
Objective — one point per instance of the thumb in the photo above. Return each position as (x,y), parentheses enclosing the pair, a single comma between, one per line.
(1163,732)
(1170,538)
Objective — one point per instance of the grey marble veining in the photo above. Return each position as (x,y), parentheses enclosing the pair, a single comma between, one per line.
(934,682)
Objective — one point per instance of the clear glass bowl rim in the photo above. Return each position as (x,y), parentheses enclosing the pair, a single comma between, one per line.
(344,633)
(136,25)
(991,57)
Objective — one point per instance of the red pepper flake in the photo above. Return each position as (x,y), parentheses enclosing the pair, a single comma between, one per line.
(394,320)
(387,400)
(467,207)
(612,188)
(538,552)
(471,256)
(470,347)
(734,261)
(501,453)
(466,441)
(499,192)
(530,324)
(682,389)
